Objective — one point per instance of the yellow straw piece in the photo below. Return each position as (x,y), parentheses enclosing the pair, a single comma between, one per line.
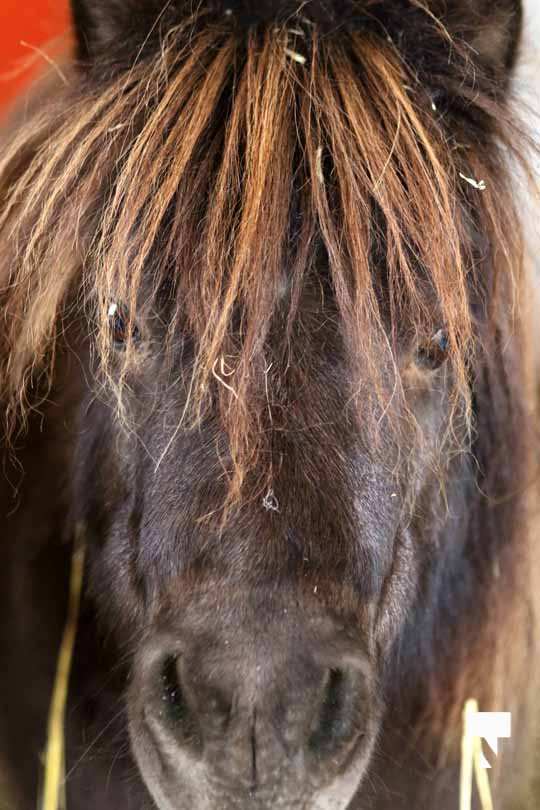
(471,758)
(482,779)
(53,794)
(295,56)
(467,756)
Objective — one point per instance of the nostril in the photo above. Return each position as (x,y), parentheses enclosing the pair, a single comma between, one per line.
(180,714)
(195,711)
(172,693)
(331,723)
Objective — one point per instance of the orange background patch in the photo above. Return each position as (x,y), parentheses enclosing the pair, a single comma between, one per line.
(35,22)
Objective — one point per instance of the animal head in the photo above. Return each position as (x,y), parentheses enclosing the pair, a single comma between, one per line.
(280,236)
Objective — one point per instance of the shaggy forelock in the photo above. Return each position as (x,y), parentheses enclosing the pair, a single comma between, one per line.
(227,169)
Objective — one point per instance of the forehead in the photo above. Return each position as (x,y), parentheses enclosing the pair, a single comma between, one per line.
(326,489)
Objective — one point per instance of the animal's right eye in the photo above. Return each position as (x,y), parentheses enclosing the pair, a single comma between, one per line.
(434,353)
(119,326)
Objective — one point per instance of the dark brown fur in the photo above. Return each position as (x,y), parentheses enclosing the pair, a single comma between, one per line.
(281,471)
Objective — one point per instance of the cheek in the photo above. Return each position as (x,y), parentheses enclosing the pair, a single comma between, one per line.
(118,592)
(427,397)
(437,433)
(106,508)
(99,479)
(398,591)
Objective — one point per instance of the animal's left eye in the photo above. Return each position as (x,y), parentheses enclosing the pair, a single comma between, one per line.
(434,353)
(119,326)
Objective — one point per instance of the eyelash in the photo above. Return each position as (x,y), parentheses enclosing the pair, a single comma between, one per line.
(119,324)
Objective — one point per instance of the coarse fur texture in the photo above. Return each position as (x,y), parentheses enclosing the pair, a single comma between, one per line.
(262,292)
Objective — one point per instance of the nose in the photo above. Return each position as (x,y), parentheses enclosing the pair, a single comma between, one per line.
(250,716)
